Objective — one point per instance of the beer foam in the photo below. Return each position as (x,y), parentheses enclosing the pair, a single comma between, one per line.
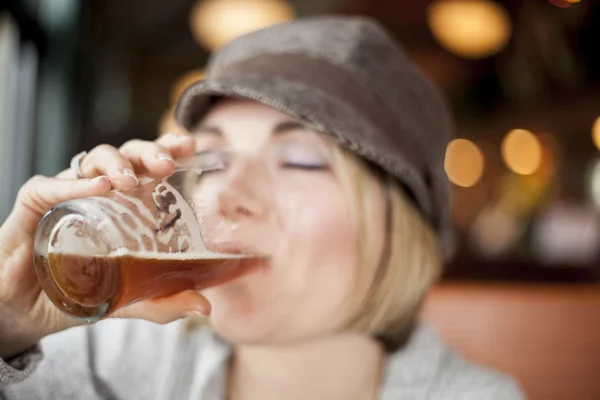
(205,255)
(193,255)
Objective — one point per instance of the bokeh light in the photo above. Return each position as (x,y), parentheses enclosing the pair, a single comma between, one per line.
(594,183)
(469,28)
(596,132)
(561,3)
(464,162)
(522,151)
(216,22)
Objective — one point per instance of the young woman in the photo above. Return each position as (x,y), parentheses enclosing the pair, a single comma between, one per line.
(351,137)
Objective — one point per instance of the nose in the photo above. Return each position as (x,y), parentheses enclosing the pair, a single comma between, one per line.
(248,191)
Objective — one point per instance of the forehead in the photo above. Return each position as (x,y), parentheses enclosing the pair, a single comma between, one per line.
(247,124)
(236,121)
(249,108)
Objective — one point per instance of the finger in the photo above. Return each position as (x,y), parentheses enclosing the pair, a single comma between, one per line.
(107,160)
(152,158)
(39,194)
(180,145)
(167,309)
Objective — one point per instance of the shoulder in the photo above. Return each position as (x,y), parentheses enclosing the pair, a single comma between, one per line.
(462,380)
(62,372)
(431,370)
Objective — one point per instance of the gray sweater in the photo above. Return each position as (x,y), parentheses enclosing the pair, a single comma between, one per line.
(138,360)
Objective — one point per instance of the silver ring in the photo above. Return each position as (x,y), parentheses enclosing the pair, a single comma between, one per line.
(76,164)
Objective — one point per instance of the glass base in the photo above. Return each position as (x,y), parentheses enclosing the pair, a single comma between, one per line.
(75,291)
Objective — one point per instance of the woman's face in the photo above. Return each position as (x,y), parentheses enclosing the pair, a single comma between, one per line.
(280,195)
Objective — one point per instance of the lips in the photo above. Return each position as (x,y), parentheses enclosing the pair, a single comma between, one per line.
(230,247)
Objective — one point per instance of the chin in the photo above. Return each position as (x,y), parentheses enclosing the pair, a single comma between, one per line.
(238,316)
(243,310)
(245,329)
(246,322)
(263,328)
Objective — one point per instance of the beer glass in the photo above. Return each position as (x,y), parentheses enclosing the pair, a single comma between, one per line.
(95,255)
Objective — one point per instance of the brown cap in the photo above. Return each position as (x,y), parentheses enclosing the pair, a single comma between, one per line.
(346,77)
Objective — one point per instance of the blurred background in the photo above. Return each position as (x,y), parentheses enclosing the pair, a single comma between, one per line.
(522,76)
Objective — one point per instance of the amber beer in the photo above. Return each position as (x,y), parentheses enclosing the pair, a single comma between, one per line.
(92,287)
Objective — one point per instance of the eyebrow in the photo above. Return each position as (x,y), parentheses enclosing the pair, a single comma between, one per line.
(287,126)
(208,129)
(280,128)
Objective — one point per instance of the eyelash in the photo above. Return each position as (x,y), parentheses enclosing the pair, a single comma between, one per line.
(287,165)
(306,167)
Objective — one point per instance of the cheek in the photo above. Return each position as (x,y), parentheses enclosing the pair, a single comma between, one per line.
(317,221)
(320,250)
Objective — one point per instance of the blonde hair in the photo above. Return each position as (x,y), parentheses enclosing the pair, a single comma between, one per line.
(411,261)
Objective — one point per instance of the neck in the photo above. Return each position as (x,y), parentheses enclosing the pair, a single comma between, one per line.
(344,366)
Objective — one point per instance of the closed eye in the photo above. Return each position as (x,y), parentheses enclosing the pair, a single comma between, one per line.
(301,156)
(307,167)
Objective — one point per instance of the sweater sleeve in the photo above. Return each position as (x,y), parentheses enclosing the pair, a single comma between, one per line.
(20,367)
(462,380)
(58,368)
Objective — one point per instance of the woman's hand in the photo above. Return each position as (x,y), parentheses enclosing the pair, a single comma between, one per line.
(26,314)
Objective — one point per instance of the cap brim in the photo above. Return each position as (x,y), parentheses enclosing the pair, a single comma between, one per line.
(197,99)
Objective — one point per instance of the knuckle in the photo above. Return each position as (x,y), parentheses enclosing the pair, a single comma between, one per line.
(103,148)
(166,138)
(163,148)
(157,147)
(36,179)
(131,144)
(31,194)
(99,158)
(31,183)
(94,157)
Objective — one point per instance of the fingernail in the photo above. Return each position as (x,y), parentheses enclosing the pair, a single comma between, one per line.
(193,314)
(129,172)
(165,157)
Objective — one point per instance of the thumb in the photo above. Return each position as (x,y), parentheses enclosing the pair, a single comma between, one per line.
(163,310)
